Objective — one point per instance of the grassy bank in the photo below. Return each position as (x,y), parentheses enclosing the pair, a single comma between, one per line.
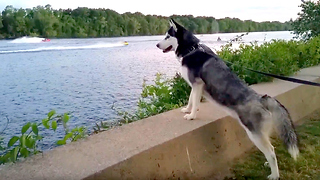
(306,167)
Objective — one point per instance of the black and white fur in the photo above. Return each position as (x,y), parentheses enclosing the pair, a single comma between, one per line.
(209,76)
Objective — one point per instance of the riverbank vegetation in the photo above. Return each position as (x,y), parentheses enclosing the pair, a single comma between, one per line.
(32,133)
(85,22)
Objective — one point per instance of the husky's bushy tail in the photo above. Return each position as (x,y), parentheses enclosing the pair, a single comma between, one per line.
(283,123)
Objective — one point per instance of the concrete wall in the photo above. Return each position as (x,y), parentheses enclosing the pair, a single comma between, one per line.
(165,146)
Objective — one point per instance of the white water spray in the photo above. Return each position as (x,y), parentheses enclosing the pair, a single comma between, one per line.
(58,48)
(27,39)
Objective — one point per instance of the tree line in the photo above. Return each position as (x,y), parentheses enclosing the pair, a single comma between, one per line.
(44,21)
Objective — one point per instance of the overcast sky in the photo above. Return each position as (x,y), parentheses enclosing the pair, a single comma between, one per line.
(256,10)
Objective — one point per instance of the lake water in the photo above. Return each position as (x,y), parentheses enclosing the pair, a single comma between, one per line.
(84,76)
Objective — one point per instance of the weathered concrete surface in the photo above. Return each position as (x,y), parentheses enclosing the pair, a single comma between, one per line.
(164,146)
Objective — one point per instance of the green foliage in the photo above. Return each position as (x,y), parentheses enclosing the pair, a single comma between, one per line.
(73,135)
(231,25)
(26,144)
(278,57)
(103,126)
(307,25)
(84,22)
(163,95)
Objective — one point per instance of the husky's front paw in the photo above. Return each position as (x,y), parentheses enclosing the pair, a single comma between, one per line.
(189,116)
(185,110)
(273,177)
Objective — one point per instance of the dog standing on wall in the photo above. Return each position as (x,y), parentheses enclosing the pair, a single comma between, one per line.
(209,76)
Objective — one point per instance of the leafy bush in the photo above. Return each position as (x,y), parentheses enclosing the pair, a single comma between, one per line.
(26,144)
(163,95)
(278,57)
(308,53)
(272,57)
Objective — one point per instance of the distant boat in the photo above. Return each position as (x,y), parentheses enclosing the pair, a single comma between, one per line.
(46,40)
(219,39)
(125,43)
(27,39)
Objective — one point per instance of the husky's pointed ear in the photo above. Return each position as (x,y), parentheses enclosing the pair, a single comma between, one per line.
(173,24)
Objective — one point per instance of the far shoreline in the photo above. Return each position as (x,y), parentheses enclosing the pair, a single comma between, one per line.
(12,38)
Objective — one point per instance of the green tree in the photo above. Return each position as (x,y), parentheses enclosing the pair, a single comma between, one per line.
(1,25)
(144,30)
(8,20)
(151,20)
(250,26)
(45,21)
(202,24)
(81,23)
(86,22)
(133,26)
(213,26)
(30,23)
(307,25)
(67,24)
(20,22)
(222,25)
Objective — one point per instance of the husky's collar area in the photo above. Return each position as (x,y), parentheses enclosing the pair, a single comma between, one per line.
(187,42)
(190,50)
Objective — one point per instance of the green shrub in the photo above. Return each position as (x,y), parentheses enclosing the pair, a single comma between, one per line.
(278,57)
(163,95)
(26,144)
(308,53)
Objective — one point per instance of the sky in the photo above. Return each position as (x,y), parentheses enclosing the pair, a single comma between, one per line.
(256,10)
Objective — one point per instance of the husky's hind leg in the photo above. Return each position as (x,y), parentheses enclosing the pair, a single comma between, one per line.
(263,143)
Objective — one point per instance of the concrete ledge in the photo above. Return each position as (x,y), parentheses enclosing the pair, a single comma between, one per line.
(165,146)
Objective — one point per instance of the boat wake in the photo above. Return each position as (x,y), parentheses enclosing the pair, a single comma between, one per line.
(59,48)
(27,39)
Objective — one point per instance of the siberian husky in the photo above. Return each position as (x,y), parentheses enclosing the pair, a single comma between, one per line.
(209,76)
